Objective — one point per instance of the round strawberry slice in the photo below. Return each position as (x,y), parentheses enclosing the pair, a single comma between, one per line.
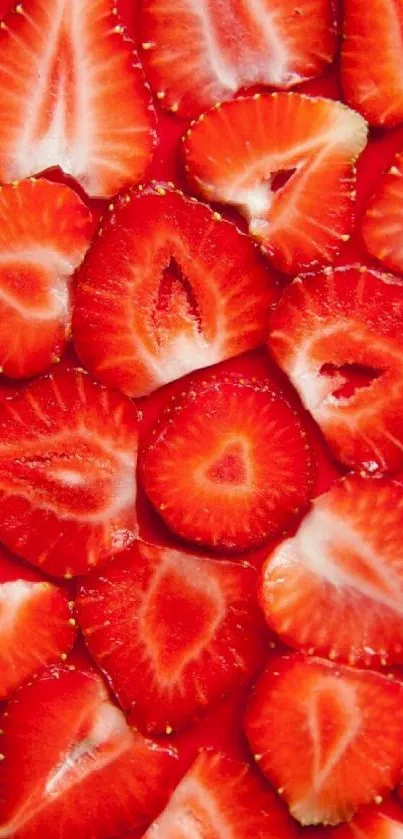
(286,161)
(68,451)
(37,627)
(383,219)
(228,464)
(336,587)
(71,760)
(338,335)
(173,632)
(171,287)
(327,736)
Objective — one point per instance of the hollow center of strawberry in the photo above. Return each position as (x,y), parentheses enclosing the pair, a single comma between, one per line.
(281,178)
(230,467)
(176,301)
(349,378)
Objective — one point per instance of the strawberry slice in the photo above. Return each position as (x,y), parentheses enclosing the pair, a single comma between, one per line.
(62,88)
(286,162)
(220,798)
(375,822)
(171,288)
(327,736)
(228,464)
(68,450)
(197,54)
(173,632)
(339,337)
(336,587)
(71,760)
(383,219)
(45,230)
(36,622)
(373,87)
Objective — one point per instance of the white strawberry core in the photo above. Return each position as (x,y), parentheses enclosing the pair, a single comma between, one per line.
(14,596)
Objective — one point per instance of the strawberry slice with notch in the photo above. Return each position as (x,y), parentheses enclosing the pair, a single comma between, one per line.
(383,219)
(62,88)
(45,230)
(171,287)
(286,161)
(68,451)
(197,54)
(338,335)
(172,632)
(36,622)
(70,759)
(372,59)
(336,587)
(219,798)
(327,736)
(228,464)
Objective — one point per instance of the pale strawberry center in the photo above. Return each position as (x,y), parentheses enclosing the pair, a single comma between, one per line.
(32,288)
(14,597)
(230,466)
(334,720)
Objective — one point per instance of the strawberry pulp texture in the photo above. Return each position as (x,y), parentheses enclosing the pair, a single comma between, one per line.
(222,728)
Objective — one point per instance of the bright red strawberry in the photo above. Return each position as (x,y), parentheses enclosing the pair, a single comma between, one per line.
(383,219)
(228,464)
(339,337)
(286,162)
(372,59)
(336,587)
(374,822)
(72,95)
(68,450)
(171,288)
(72,765)
(45,230)
(36,623)
(172,632)
(327,736)
(220,798)
(199,52)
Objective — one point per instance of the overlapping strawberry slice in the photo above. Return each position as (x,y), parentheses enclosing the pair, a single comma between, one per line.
(372,59)
(171,287)
(384,821)
(383,219)
(73,766)
(327,736)
(338,335)
(228,464)
(220,798)
(68,449)
(72,95)
(336,587)
(286,162)
(172,632)
(199,52)
(45,230)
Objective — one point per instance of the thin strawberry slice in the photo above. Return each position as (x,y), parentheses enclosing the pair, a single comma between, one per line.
(203,52)
(286,162)
(383,219)
(45,230)
(228,464)
(37,627)
(172,632)
(372,59)
(220,798)
(72,761)
(375,822)
(336,587)
(72,95)
(68,450)
(171,288)
(339,337)
(327,736)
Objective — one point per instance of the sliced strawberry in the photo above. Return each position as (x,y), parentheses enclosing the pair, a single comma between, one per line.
(173,632)
(36,624)
(374,822)
(68,449)
(220,798)
(72,761)
(327,736)
(171,287)
(383,219)
(339,337)
(228,464)
(197,54)
(72,95)
(372,59)
(336,587)
(286,162)
(45,230)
